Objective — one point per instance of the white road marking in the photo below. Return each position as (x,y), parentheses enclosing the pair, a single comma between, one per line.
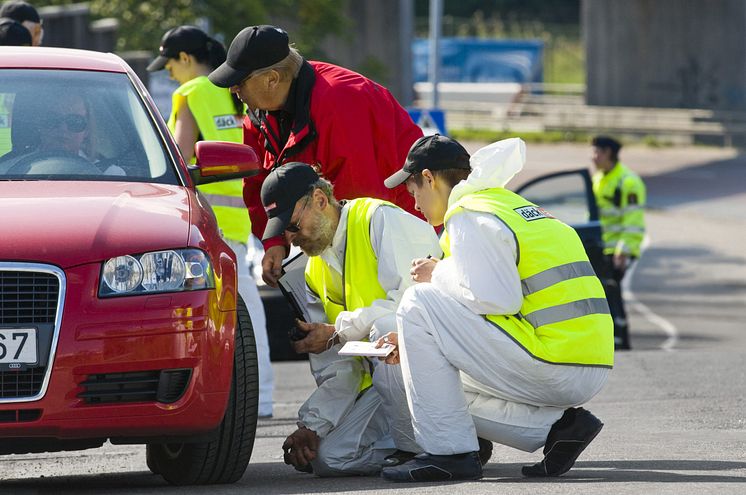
(666,326)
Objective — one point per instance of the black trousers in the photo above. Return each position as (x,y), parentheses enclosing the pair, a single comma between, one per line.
(612,282)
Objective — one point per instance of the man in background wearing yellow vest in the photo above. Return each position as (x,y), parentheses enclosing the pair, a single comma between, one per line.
(202,111)
(359,253)
(506,335)
(620,194)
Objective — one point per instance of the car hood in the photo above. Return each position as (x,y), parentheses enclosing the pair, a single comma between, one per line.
(70,223)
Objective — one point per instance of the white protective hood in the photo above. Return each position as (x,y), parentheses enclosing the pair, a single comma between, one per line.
(492,166)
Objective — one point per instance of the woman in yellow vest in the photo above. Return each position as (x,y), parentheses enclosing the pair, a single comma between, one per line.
(202,111)
(506,335)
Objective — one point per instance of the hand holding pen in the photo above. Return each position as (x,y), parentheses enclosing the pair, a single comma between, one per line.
(422,269)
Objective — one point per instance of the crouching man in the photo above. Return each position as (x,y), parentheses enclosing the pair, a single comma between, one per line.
(360,253)
(505,336)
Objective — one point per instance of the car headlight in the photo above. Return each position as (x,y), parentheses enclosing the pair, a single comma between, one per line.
(172,270)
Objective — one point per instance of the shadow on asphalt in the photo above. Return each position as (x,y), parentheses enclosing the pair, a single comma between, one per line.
(653,341)
(709,180)
(275,478)
(669,268)
(652,471)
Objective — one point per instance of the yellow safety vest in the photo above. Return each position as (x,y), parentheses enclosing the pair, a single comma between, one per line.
(5,143)
(214,112)
(359,286)
(620,195)
(564,317)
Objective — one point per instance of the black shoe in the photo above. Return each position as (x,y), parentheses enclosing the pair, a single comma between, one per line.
(569,436)
(485,450)
(428,467)
(398,457)
(621,335)
(622,347)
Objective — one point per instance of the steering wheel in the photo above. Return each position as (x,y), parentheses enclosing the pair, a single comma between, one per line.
(53,162)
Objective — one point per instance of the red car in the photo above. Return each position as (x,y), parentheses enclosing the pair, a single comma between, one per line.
(119,316)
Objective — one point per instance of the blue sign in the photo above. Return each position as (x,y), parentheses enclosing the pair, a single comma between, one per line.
(430,120)
(481,60)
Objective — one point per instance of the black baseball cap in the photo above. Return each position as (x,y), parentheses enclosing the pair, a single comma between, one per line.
(189,39)
(255,47)
(282,188)
(434,152)
(20,12)
(12,33)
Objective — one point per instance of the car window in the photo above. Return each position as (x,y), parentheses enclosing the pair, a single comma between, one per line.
(565,195)
(78,125)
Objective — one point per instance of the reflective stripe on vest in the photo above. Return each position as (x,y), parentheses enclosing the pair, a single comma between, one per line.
(5,137)
(211,107)
(567,311)
(555,275)
(360,285)
(564,317)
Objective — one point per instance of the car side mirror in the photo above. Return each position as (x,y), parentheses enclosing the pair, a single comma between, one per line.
(220,160)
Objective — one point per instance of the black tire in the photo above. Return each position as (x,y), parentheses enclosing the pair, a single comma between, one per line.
(223,459)
(151,458)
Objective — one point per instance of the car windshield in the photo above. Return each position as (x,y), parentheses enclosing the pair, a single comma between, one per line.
(78,125)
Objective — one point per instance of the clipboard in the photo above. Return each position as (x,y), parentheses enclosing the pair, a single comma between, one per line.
(292,284)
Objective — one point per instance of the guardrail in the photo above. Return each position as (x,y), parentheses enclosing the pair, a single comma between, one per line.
(541,108)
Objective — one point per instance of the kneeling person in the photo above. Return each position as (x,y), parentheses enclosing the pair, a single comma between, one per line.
(360,254)
(509,333)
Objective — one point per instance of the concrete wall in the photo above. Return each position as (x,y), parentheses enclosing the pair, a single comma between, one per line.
(379,44)
(70,26)
(666,53)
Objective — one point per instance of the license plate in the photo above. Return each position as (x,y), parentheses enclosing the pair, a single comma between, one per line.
(18,345)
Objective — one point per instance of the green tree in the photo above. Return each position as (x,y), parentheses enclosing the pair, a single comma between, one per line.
(548,11)
(311,21)
(143,22)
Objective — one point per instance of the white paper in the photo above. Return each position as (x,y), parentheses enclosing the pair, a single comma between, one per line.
(359,348)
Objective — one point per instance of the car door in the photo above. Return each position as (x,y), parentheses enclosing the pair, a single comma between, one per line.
(569,196)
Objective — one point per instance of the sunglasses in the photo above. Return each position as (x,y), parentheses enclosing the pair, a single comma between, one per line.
(73,122)
(295,228)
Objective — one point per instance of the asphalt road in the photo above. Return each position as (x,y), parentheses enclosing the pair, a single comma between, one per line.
(673,407)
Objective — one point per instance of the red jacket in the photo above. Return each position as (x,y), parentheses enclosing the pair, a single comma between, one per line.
(351,128)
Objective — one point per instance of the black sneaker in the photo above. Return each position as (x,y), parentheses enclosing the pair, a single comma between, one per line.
(569,436)
(398,457)
(485,450)
(428,467)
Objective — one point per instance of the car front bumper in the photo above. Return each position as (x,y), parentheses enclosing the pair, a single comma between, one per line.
(120,340)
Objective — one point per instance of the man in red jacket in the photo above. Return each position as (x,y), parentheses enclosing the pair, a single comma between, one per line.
(351,129)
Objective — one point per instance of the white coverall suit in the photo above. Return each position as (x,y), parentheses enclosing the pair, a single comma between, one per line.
(357,433)
(464,377)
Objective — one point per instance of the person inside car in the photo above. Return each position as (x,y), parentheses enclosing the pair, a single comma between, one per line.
(55,126)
